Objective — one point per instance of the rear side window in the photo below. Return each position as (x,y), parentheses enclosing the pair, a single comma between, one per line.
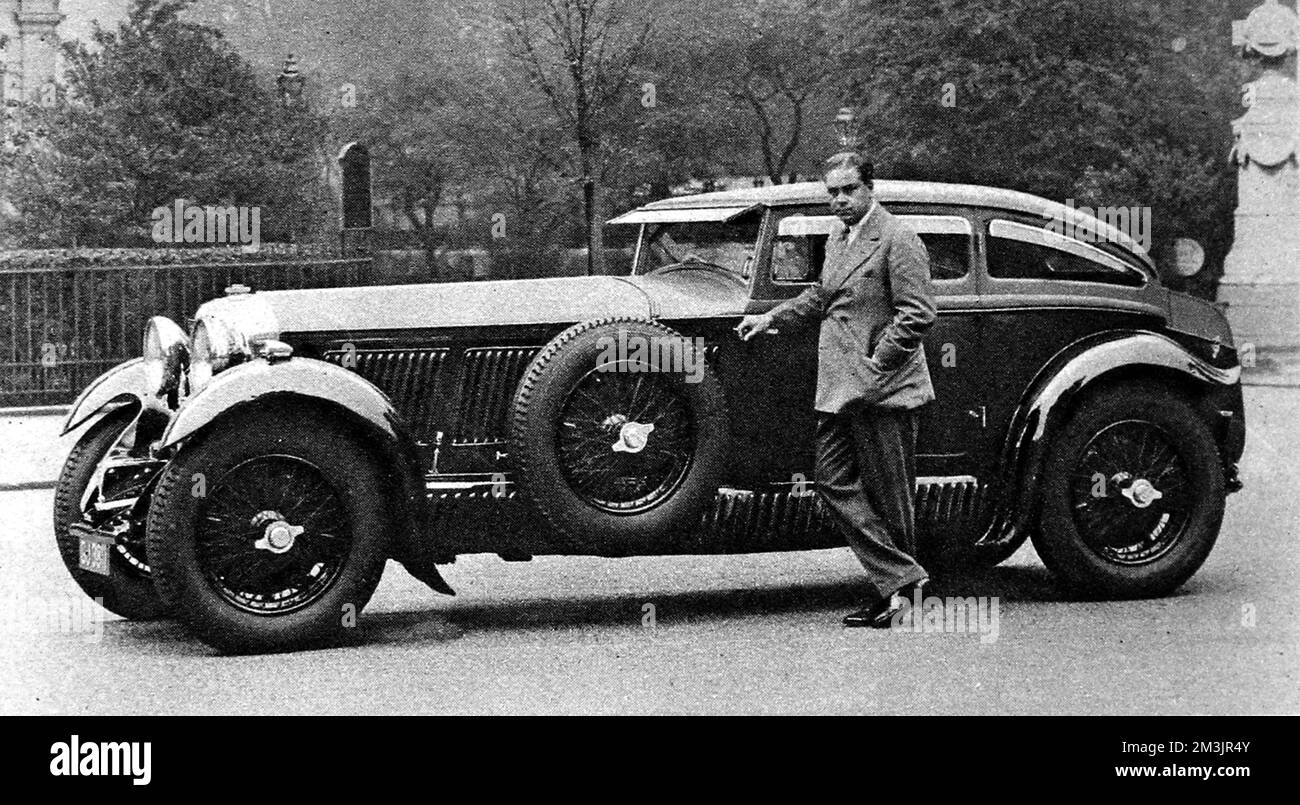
(947,238)
(1018,251)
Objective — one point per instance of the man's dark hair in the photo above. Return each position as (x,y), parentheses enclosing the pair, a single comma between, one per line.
(852,159)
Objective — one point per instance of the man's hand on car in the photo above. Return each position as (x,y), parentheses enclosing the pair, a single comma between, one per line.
(754,324)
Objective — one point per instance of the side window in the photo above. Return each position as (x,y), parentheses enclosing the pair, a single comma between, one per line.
(949,255)
(800,248)
(1018,251)
(947,238)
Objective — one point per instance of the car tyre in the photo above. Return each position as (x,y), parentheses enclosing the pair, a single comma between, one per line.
(583,457)
(270,531)
(129,589)
(1133,495)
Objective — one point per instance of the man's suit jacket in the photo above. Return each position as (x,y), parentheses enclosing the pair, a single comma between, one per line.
(875,304)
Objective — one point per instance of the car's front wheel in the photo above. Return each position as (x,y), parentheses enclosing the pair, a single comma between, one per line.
(270,532)
(1133,495)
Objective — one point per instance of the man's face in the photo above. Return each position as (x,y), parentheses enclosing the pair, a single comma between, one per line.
(850,198)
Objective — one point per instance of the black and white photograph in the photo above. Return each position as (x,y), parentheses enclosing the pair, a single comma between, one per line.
(650,357)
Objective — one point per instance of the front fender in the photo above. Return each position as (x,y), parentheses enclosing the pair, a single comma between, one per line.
(125,382)
(341,391)
(1045,405)
(305,378)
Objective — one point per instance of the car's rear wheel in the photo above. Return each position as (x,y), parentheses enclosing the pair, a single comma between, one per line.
(83,495)
(619,435)
(1133,495)
(270,532)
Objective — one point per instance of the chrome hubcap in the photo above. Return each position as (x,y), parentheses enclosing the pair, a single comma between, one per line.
(632,437)
(1141,493)
(279,535)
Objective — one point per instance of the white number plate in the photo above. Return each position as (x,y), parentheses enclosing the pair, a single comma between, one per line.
(94,553)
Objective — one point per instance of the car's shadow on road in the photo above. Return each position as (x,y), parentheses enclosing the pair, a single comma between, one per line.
(449,620)
(831,599)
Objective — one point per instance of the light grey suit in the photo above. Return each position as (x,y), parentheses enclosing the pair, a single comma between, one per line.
(874,305)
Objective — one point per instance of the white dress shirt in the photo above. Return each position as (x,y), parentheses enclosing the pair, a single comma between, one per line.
(857,228)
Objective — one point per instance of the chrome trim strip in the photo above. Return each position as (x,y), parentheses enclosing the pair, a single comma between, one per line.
(946,479)
(1120,305)
(921,480)
(460,486)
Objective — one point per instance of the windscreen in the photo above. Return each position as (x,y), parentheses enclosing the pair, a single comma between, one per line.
(730,246)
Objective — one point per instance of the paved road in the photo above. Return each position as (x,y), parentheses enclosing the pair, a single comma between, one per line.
(748,634)
(31,451)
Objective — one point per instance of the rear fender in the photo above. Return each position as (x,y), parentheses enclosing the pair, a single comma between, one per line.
(1046,404)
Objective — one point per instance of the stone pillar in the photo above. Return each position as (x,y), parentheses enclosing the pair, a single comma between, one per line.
(38,46)
(1261,278)
(10,64)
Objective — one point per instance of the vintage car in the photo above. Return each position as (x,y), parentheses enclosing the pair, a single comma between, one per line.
(254,476)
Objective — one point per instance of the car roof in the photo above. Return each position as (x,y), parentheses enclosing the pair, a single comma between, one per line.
(903,192)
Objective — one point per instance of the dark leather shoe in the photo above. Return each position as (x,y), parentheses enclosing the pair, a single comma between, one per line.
(872,616)
(897,603)
(880,615)
(863,617)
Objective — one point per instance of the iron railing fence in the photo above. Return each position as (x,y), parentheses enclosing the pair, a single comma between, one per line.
(60,328)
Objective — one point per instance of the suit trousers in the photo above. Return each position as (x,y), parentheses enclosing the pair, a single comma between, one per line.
(866,474)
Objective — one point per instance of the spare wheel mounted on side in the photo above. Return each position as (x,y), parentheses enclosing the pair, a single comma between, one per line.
(619,436)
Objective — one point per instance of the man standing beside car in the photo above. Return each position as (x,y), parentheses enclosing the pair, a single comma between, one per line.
(874,305)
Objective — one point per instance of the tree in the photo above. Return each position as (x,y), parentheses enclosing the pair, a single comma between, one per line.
(517,160)
(580,55)
(409,125)
(782,59)
(1066,100)
(161,109)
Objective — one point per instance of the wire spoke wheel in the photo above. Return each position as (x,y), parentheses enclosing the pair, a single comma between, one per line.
(619,437)
(272,535)
(288,540)
(1133,494)
(1129,493)
(625,439)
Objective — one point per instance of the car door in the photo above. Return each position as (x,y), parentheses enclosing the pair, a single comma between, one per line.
(952,430)
(772,380)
